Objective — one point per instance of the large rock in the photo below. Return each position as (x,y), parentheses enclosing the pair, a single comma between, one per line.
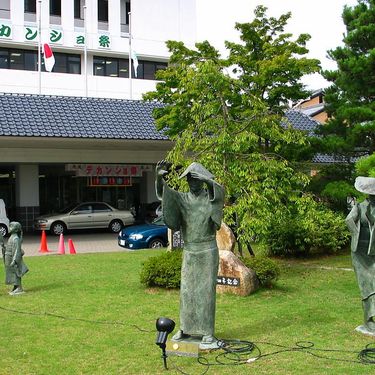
(225,238)
(234,277)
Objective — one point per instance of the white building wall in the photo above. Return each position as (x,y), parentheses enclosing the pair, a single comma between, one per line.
(153,22)
(19,81)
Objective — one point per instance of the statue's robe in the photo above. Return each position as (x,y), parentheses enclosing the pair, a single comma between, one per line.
(198,217)
(362,228)
(13,251)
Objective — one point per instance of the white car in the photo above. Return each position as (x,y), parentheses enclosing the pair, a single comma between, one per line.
(89,215)
(4,221)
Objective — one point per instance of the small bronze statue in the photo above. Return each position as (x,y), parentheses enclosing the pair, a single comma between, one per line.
(198,214)
(15,267)
(361,223)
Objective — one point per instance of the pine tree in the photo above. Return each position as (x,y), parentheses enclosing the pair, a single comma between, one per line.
(350,103)
(350,100)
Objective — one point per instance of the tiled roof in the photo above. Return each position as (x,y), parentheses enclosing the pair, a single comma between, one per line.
(313,110)
(302,122)
(76,117)
(327,159)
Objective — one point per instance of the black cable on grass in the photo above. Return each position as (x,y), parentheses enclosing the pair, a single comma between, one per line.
(367,355)
(237,352)
(308,347)
(104,322)
(241,352)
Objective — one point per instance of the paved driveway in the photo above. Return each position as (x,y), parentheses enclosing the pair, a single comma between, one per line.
(84,242)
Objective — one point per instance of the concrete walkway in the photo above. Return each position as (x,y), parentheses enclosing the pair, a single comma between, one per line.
(84,242)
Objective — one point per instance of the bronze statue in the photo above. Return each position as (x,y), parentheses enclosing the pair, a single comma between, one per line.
(361,223)
(198,214)
(15,268)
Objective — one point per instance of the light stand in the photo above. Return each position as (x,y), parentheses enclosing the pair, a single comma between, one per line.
(164,327)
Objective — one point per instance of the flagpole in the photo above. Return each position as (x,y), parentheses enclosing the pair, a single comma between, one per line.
(85,47)
(130,56)
(39,47)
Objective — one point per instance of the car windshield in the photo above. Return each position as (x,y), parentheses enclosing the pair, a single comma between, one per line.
(159,221)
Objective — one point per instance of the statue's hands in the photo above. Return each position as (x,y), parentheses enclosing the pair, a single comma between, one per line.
(199,176)
(162,168)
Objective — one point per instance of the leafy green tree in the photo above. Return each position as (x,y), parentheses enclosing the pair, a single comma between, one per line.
(226,113)
(350,131)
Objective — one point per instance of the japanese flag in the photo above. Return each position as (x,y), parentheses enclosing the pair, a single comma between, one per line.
(49,59)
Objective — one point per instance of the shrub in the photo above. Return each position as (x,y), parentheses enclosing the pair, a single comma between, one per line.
(308,227)
(163,270)
(266,269)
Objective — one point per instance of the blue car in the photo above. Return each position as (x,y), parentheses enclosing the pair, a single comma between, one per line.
(153,235)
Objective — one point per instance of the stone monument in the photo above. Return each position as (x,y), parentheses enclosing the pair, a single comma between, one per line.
(198,214)
(361,223)
(234,277)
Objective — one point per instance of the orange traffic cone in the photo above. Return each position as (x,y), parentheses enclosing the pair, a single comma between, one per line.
(61,245)
(72,249)
(43,243)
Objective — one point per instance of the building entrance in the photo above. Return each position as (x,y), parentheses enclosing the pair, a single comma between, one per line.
(59,188)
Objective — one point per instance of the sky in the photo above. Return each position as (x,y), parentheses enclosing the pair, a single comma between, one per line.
(319,18)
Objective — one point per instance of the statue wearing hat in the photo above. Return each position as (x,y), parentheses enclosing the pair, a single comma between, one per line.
(361,223)
(15,267)
(198,214)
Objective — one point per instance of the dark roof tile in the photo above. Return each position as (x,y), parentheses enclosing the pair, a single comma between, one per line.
(301,121)
(76,117)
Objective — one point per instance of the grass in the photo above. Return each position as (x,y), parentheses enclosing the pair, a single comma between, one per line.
(88,314)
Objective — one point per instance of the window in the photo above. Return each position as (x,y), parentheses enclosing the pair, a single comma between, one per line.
(103,10)
(127,9)
(105,66)
(28,60)
(30,6)
(5,4)
(55,7)
(148,69)
(78,9)
(112,67)
(18,59)
(99,66)
(5,9)
(123,68)
(124,15)
(84,209)
(67,63)
(73,64)
(101,207)
(4,58)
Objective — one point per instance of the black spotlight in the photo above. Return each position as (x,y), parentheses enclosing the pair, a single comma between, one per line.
(164,327)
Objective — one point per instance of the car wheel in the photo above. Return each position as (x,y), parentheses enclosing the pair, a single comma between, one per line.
(3,230)
(58,228)
(156,243)
(115,226)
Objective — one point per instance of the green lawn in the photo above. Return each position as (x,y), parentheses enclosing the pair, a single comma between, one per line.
(88,314)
